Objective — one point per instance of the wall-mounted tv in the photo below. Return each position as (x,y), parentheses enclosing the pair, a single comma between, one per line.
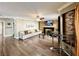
(49,23)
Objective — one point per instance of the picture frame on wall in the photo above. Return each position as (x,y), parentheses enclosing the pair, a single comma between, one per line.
(49,23)
(8,25)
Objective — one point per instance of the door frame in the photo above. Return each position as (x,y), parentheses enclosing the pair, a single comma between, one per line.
(2,29)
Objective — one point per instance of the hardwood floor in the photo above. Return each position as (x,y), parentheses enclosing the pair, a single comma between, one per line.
(34,46)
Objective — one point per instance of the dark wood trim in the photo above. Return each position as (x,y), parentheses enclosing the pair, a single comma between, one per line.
(63,17)
(59,30)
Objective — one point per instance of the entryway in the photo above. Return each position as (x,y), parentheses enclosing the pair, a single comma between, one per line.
(1,35)
(0,28)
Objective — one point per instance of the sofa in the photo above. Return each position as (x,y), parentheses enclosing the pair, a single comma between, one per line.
(29,33)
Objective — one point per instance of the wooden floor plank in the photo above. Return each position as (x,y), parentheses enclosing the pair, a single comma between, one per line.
(34,46)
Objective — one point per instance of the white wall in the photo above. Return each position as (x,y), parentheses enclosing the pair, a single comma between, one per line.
(9,28)
(2,21)
(22,25)
(7,31)
(19,25)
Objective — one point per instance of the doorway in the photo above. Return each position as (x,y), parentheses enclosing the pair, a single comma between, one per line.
(1,37)
(1,29)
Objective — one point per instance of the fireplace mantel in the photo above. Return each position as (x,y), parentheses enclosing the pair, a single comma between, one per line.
(47,27)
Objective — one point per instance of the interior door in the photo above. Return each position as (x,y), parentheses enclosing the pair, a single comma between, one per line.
(0,28)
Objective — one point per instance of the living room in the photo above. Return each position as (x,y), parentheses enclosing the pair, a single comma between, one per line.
(36,29)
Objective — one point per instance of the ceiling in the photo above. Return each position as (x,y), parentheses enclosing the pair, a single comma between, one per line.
(30,9)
